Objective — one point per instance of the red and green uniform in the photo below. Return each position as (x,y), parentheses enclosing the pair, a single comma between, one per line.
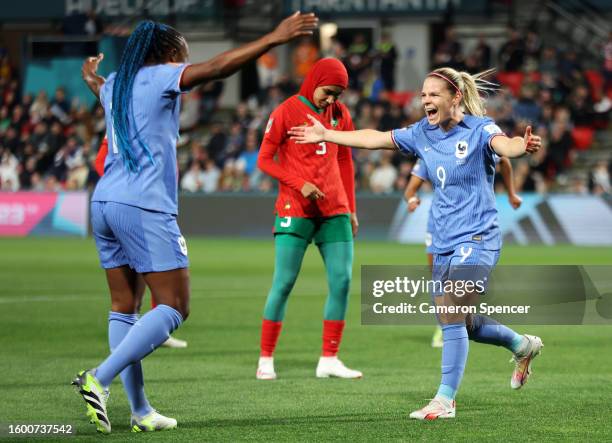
(299,220)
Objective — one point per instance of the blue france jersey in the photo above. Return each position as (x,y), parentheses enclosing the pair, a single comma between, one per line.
(460,164)
(156,106)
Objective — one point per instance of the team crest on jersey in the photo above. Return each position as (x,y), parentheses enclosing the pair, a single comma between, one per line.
(461,149)
(269,125)
(333,122)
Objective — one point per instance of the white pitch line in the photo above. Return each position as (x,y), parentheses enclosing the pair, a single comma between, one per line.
(74,297)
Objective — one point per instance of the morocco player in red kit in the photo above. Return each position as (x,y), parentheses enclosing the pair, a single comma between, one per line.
(316,202)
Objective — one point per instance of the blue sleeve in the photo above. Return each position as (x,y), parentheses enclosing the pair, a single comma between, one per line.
(420,170)
(405,140)
(488,132)
(168,78)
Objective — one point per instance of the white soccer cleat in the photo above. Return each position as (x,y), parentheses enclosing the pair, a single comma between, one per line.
(438,407)
(522,361)
(333,367)
(151,422)
(174,343)
(95,397)
(265,369)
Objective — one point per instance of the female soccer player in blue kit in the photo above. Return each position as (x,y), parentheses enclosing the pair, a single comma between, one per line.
(456,143)
(418,177)
(134,206)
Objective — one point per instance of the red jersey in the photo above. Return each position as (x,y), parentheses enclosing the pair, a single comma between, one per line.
(101,157)
(326,165)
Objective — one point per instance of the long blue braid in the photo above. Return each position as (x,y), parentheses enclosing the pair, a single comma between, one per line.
(133,58)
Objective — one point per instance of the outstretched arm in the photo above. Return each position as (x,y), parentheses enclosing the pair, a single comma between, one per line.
(505,168)
(226,63)
(516,146)
(363,138)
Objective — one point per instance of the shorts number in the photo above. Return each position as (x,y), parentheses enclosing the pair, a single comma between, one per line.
(286,223)
(441,174)
(465,253)
(323,149)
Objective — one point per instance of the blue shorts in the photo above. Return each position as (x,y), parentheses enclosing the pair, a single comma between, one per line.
(466,263)
(147,241)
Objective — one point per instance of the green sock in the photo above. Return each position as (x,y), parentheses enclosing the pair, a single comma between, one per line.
(338,259)
(289,252)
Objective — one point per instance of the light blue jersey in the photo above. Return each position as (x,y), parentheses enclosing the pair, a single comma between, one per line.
(156,105)
(460,165)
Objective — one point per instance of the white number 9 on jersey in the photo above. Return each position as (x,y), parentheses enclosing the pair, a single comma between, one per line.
(323,149)
(441,174)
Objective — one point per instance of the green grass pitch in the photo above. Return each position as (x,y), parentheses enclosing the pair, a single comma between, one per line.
(53,310)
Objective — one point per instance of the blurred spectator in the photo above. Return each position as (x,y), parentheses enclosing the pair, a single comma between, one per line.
(357,61)
(581,106)
(193,179)
(449,52)
(600,178)
(77,164)
(533,49)
(526,107)
(512,52)
(9,175)
(559,146)
(305,54)
(267,69)
(235,141)
(247,161)
(387,55)
(216,144)
(210,96)
(210,177)
(60,108)
(482,54)
(383,176)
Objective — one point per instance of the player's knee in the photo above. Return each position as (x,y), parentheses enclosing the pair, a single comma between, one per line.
(125,306)
(284,286)
(341,282)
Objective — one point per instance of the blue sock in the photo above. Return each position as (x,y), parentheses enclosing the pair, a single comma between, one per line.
(454,356)
(131,377)
(144,337)
(486,330)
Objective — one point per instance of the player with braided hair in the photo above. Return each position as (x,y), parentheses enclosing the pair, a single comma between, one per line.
(134,206)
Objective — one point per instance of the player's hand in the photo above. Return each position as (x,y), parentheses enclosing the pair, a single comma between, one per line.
(308,134)
(515,201)
(533,143)
(311,192)
(90,74)
(294,26)
(413,203)
(354,224)
(90,66)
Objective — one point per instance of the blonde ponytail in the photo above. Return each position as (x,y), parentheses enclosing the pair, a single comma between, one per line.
(470,86)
